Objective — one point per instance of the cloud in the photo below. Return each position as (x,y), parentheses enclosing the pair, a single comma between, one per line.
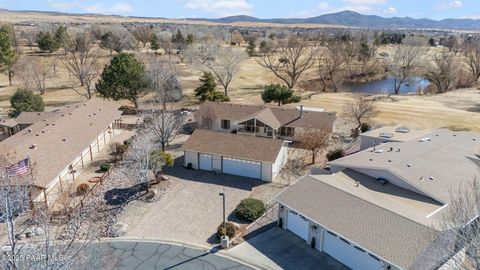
(116,8)
(64,5)
(365,2)
(390,10)
(220,7)
(444,5)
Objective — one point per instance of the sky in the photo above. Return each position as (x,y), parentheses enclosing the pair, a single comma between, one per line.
(433,9)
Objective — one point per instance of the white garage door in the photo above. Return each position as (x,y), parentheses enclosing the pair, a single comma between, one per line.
(205,162)
(297,224)
(242,167)
(351,256)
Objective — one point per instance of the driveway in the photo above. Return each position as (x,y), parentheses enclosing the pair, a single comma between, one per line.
(280,249)
(191,210)
(155,255)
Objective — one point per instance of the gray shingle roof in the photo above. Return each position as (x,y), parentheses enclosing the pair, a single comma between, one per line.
(61,138)
(284,116)
(234,145)
(392,237)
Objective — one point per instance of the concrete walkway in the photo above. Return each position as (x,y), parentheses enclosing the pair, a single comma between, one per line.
(280,249)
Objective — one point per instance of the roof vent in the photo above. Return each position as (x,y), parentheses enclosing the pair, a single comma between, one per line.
(402,130)
(409,165)
(398,150)
(379,151)
(386,135)
(389,160)
(29,130)
(426,139)
(431,178)
(33,146)
(475,139)
(421,178)
(357,183)
(64,140)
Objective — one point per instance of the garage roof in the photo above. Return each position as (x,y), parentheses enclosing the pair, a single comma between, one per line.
(382,232)
(234,145)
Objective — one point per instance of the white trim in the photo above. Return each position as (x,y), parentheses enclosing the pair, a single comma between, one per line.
(436,211)
(339,235)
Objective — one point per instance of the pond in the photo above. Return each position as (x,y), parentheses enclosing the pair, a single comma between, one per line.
(386,86)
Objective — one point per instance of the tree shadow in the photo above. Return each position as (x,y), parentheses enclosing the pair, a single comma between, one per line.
(121,196)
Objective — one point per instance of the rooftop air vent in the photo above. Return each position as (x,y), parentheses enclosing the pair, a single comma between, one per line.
(379,151)
(409,165)
(431,178)
(402,130)
(386,135)
(33,146)
(426,139)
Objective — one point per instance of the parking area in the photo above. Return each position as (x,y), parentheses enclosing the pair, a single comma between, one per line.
(280,249)
(191,210)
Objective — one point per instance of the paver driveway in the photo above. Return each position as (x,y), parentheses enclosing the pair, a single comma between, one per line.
(191,209)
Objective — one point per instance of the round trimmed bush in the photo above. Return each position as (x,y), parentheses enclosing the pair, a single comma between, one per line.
(105,167)
(250,209)
(335,154)
(231,230)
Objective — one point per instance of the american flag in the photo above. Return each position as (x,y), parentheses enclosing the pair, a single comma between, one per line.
(18,169)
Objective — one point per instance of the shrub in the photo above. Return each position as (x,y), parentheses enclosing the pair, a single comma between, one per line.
(82,189)
(25,101)
(364,127)
(105,167)
(120,149)
(250,209)
(335,154)
(231,230)
(127,142)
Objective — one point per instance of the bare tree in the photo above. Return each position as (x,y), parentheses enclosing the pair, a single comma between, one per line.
(223,62)
(143,34)
(360,110)
(117,38)
(443,71)
(472,57)
(56,241)
(406,59)
(205,117)
(165,124)
(461,225)
(314,140)
(165,42)
(82,59)
(163,81)
(30,36)
(289,61)
(32,73)
(332,64)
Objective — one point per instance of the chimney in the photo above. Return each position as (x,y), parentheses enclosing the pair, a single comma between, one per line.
(301,111)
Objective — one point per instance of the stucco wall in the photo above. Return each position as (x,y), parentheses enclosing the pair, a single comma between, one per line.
(191,157)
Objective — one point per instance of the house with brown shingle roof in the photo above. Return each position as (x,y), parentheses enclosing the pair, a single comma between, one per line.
(267,121)
(60,144)
(242,155)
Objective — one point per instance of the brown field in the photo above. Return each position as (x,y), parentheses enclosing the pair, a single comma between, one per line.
(29,16)
(457,109)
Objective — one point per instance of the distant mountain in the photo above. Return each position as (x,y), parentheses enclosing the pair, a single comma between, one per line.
(354,19)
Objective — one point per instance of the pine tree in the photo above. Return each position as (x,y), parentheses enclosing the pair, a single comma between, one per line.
(206,90)
(7,52)
(154,45)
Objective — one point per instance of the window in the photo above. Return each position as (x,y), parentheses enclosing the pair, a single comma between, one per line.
(287,131)
(225,124)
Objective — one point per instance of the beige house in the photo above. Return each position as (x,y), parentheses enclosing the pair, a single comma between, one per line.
(267,121)
(60,144)
(253,157)
(381,207)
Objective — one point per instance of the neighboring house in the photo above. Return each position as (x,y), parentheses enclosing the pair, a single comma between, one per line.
(266,121)
(242,155)
(62,143)
(381,208)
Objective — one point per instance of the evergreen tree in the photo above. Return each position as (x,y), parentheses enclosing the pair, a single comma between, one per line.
(47,42)
(154,45)
(25,101)
(61,36)
(123,78)
(206,90)
(7,52)
(251,48)
(189,39)
(279,93)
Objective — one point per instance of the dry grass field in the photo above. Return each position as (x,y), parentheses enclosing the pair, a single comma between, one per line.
(457,109)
